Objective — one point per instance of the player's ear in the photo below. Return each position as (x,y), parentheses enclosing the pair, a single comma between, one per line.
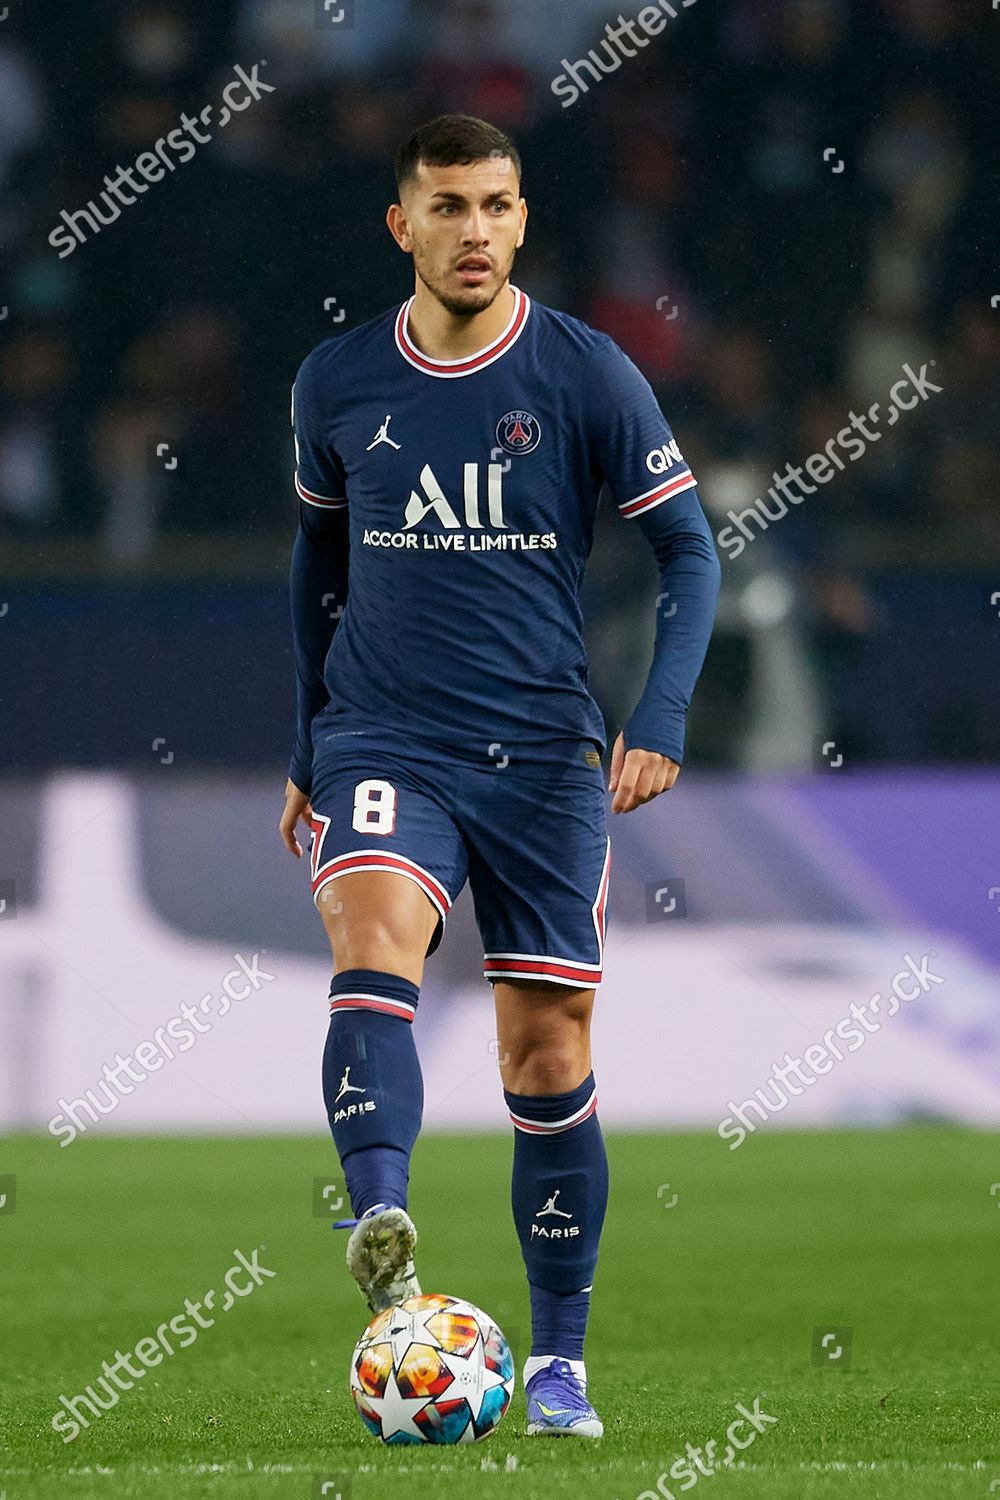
(523,210)
(399,227)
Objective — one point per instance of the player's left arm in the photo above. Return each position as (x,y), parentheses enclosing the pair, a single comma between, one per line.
(648,753)
(643,466)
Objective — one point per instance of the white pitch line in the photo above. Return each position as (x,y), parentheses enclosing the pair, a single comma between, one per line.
(814,1466)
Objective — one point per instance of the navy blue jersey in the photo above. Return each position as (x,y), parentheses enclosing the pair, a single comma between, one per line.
(470,489)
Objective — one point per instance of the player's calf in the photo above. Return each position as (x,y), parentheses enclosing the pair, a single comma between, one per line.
(560,1195)
(373,1089)
(372,1084)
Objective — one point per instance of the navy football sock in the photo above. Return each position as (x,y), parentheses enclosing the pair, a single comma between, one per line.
(559,1193)
(372,1084)
(559,1322)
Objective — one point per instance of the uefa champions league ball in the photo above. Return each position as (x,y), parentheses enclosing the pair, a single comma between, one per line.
(434,1369)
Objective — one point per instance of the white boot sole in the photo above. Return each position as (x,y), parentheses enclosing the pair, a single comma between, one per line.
(593,1427)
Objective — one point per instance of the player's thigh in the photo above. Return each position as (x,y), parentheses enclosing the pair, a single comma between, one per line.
(377,920)
(387,860)
(539,868)
(538,872)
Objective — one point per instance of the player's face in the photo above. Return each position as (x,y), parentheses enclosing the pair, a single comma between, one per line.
(463,226)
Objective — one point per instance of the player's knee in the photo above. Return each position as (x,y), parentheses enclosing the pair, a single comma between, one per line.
(547,1070)
(547,1063)
(377,941)
(546,1038)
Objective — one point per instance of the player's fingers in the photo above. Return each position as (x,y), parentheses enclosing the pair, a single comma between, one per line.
(662,773)
(642,771)
(666,775)
(287,830)
(624,798)
(661,779)
(617,758)
(647,778)
(646,783)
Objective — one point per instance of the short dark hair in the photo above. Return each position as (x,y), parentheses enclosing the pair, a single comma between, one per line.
(449,140)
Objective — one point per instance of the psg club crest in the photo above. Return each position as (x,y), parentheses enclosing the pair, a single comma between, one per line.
(519,432)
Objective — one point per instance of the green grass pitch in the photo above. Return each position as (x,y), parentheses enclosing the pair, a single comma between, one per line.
(709,1292)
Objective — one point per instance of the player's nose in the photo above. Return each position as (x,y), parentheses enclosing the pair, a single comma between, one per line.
(476,233)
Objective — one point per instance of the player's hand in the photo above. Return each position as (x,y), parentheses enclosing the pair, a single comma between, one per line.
(297,805)
(637,776)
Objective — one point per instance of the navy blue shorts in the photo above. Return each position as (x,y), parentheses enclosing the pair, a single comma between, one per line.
(531,840)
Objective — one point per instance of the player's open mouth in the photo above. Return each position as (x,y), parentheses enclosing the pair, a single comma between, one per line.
(473,271)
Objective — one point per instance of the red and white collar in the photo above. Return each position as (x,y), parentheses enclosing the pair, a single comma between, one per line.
(452,369)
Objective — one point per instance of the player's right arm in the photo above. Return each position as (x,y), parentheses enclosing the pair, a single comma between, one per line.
(317,584)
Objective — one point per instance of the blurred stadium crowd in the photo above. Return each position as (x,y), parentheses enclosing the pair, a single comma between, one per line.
(772,208)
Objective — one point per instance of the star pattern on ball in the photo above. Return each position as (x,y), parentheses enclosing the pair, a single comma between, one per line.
(423,1373)
(398,1411)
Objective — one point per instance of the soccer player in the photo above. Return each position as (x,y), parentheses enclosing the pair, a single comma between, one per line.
(450,455)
